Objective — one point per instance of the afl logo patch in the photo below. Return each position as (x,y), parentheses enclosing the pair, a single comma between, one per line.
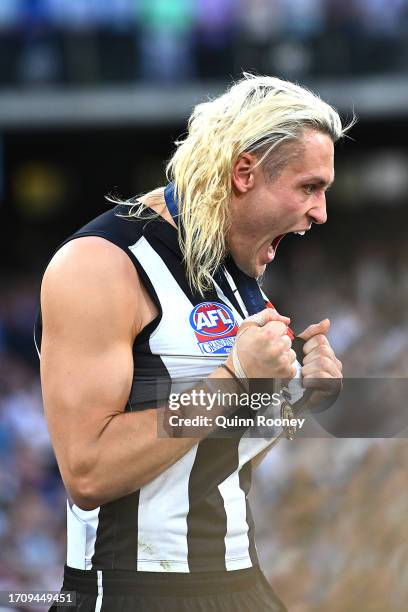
(215,327)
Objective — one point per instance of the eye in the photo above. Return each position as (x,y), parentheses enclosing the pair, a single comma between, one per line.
(309,189)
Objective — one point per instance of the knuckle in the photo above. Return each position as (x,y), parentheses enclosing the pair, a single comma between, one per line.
(279,345)
(280,327)
(282,345)
(287,341)
(268,332)
(292,356)
(282,360)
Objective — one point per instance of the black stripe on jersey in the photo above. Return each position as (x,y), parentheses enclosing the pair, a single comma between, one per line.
(245,479)
(105,538)
(116,536)
(216,459)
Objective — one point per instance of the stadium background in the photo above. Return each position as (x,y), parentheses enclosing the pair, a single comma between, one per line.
(92,96)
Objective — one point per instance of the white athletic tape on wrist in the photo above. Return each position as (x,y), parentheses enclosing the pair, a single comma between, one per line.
(238,369)
(260,319)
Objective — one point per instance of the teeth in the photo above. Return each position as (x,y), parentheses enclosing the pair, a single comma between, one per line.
(300,233)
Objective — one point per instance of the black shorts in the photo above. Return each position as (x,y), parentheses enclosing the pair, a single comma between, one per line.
(244,590)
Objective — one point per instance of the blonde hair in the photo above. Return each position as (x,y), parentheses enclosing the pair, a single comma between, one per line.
(257,114)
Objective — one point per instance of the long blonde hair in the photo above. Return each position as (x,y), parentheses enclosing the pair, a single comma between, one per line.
(257,114)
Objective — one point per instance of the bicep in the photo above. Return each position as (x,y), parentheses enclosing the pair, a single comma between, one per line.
(89,325)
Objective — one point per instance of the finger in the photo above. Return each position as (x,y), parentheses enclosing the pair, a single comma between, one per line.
(319,342)
(316,328)
(319,351)
(321,368)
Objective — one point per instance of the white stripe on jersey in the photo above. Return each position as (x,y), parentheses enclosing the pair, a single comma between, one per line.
(162,519)
(236,540)
(173,329)
(81,536)
(76,540)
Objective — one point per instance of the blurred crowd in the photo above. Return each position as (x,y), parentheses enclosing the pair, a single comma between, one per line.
(329,514)
(32,501)
(308,494)
(171,41)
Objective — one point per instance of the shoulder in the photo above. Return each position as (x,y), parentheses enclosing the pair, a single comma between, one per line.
(91,276)
(92,255)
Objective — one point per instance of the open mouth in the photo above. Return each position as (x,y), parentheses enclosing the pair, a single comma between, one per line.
(276,241)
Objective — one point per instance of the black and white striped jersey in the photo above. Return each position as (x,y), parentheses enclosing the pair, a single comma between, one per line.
(194,516)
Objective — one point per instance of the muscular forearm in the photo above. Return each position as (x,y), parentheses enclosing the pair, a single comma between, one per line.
(127,455)
(129,452)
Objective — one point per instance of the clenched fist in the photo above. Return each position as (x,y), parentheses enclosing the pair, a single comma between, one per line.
(320,369)
(263,347)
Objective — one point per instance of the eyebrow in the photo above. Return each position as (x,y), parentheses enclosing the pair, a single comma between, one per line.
(318,180)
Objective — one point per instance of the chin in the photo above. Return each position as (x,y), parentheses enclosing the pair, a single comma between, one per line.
(255,271)
(252,269)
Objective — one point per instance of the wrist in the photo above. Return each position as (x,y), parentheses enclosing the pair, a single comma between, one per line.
(232,375)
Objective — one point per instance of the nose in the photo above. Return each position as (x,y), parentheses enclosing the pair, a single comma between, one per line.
(318,212)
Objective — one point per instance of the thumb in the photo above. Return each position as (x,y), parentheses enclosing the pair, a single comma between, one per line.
(264,317)
(315,329)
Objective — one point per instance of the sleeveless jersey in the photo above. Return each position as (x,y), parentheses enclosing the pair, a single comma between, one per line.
(195,515)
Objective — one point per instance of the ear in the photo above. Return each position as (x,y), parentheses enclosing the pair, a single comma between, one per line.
(242,173)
